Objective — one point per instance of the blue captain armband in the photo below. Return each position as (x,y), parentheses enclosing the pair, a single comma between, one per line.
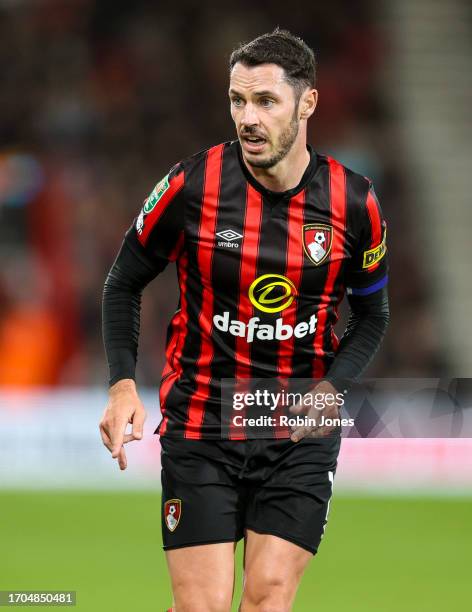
(380,284)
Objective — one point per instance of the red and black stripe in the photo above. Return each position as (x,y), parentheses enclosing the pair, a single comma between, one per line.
(329,297)
(253,212)
(204,260)
(316,210)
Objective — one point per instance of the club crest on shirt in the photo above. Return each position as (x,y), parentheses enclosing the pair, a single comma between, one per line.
(317,241)
(172,513)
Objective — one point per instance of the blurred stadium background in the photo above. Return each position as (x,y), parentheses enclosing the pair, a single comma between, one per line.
(97,101)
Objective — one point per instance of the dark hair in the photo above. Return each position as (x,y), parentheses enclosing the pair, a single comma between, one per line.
(280,47)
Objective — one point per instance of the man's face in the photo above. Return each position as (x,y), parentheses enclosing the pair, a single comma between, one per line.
(264,111)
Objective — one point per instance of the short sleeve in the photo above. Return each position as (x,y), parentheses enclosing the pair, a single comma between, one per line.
(368,268)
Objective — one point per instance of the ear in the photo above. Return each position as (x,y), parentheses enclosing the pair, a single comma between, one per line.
(308,102)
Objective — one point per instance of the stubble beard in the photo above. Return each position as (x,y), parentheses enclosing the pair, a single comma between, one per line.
(286,140)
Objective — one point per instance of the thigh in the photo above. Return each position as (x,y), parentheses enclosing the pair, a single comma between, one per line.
(293,499)
(201,502)
(273,568)
(202,577)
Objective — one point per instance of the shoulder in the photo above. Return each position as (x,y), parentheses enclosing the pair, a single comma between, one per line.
(194,163)
(353,180)
(359,191)
(190,171)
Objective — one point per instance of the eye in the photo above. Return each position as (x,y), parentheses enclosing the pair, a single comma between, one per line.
(236,101)
(266,102)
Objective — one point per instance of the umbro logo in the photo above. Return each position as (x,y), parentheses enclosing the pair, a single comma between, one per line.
(229,238)
(229,235)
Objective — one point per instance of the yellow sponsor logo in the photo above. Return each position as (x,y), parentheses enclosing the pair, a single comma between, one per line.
(372,256)
(272,292)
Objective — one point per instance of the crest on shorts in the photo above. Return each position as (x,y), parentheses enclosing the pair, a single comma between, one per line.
(317,241)
(172,513)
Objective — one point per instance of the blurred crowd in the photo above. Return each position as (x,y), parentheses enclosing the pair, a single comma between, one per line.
(99,99)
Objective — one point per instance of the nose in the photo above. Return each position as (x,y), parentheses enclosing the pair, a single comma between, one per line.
(249,116)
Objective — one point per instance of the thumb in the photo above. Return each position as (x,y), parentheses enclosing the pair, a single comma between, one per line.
(138,424)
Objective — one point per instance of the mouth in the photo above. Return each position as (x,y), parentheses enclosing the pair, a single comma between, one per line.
(253,144)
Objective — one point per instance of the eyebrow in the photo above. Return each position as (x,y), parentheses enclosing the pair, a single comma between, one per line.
(264,92)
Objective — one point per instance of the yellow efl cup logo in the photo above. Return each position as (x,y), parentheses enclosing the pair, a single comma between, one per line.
(272,292)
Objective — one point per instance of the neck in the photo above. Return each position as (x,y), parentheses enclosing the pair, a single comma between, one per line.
(287,173)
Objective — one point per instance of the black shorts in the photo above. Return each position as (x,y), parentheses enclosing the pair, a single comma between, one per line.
(213,490)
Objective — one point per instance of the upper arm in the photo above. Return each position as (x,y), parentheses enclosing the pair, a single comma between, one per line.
(157,232)
(368,268)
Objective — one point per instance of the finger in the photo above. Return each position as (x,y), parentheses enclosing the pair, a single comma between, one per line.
(122,461)
(325,430)
(129,438)
(105,437)
(138,424)
(323,433)
(296,435)
(297,409)
(117,434)
(300,433)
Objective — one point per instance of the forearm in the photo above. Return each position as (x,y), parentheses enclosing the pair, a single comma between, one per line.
(367,324)
(121,308)
(121,319)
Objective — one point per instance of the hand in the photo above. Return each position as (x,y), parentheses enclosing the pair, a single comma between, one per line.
(327,409)
(124,406)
